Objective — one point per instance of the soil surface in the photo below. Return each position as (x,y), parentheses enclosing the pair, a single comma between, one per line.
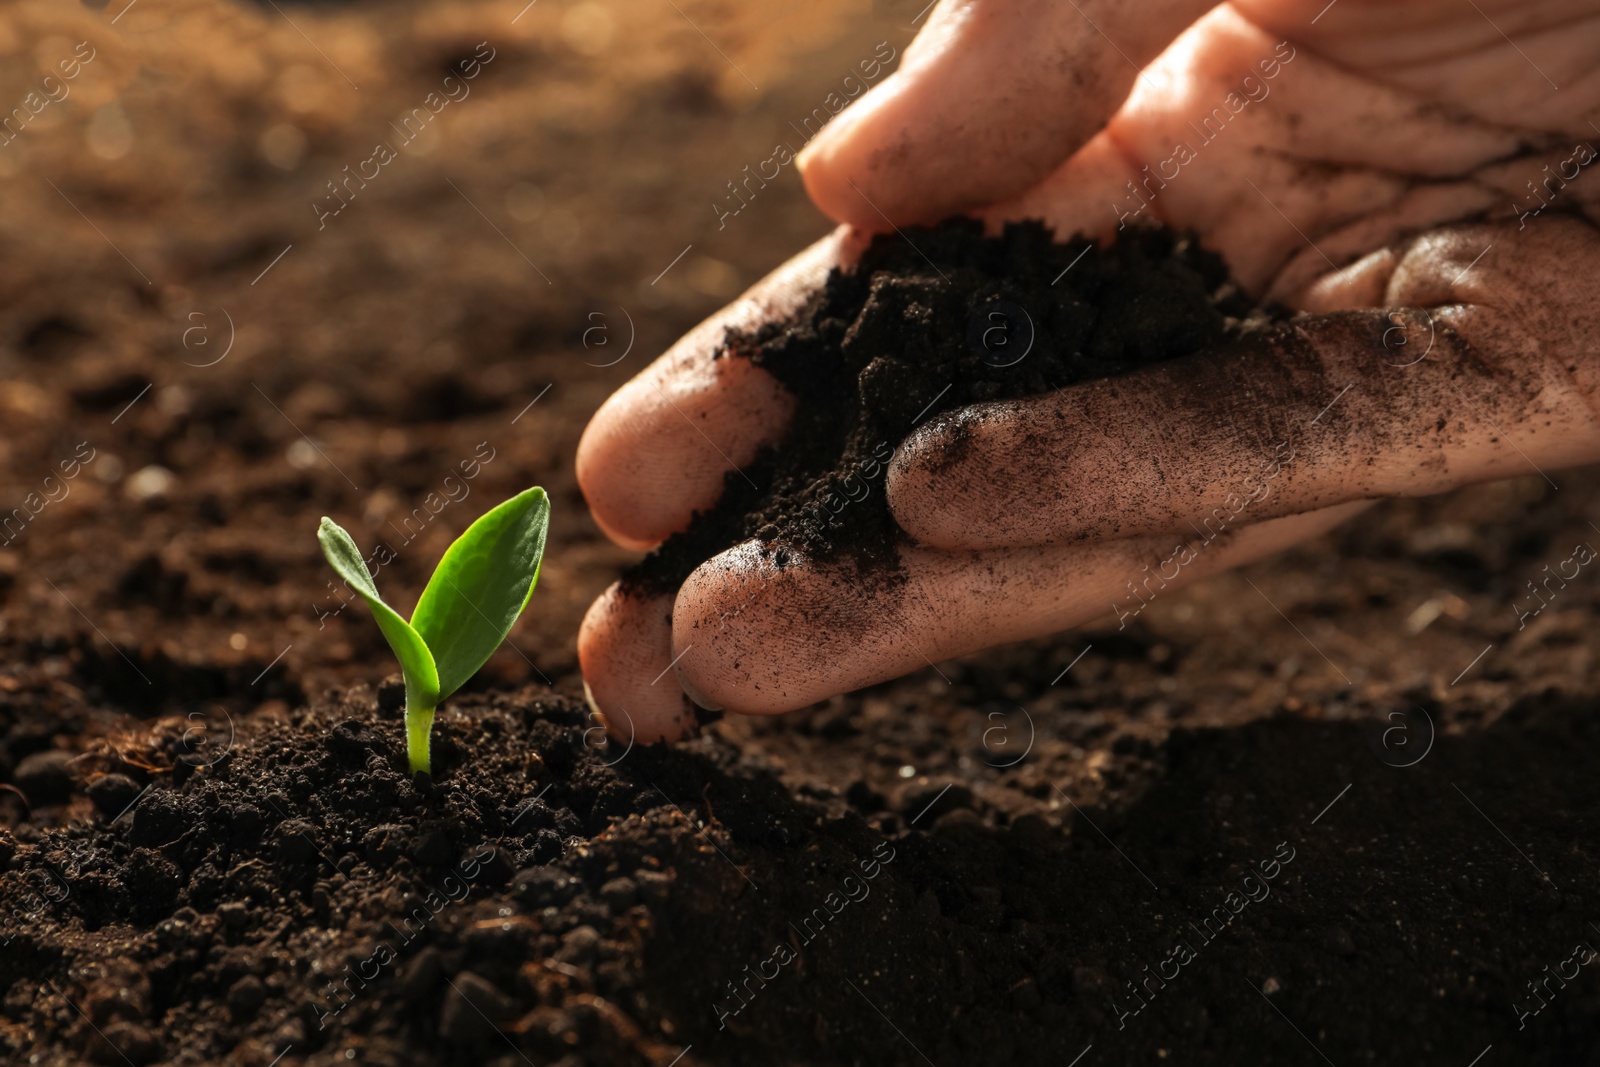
(1374,753)
(928,320)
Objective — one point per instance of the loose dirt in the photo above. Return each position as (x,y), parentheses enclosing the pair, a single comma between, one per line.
(209,849)
(929,320)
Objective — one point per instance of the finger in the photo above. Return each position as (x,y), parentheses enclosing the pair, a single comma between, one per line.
(1215,136)
(1354,405)
(625,652)
(757,638)
(658,450)
(991,96)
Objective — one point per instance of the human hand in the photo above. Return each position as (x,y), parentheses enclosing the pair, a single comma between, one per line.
(1377,157)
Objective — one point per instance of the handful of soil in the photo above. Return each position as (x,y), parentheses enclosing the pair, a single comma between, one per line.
(928,320)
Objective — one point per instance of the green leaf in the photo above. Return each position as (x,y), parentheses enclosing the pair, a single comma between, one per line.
(481,586)
(416,661)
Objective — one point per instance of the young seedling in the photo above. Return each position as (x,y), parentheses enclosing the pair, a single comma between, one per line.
(475,595)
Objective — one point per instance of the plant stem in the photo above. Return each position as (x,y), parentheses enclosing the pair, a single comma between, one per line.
(419,735)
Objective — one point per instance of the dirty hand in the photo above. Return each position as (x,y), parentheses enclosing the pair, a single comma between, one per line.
(1374,156)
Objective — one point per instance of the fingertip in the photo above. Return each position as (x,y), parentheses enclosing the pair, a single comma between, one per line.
(695,694)
(625,653)
(990,98)
(660,447)
(735,623)
(933,486)
(761,633)
(837,165)
(636,544)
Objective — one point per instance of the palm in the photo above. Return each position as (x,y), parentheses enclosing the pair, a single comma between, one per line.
(1297,176)
(1371,163)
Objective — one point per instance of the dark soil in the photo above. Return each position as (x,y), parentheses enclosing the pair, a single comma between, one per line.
(209,852)
(304,895)
(931,319)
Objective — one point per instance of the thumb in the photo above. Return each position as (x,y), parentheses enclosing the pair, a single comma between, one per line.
(991,97)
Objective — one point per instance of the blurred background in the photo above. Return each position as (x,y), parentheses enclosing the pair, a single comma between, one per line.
(203,292)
